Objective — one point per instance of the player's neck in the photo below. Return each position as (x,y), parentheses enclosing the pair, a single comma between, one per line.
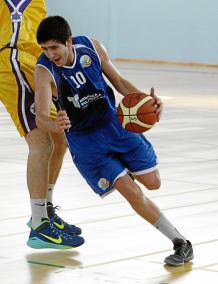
(70,58)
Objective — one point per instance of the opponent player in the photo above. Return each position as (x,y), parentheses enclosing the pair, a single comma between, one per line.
(71,72)
(19,50)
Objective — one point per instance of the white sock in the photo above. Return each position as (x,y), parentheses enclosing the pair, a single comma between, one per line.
(166,228)
(50,192)
(39,211)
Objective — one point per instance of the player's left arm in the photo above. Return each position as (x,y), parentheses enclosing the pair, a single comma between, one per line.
(123,86)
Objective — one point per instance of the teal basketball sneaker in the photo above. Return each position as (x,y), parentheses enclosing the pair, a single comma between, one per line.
(47,236)
(58,222)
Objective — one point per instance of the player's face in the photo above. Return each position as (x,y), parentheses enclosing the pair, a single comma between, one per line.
(58,53)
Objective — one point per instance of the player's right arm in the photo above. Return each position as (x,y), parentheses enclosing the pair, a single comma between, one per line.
(43,100)
(122,85)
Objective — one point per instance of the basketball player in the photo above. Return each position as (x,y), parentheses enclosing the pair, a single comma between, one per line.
(19,50)
(70,71)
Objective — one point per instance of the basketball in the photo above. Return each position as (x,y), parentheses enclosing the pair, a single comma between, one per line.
(137,112)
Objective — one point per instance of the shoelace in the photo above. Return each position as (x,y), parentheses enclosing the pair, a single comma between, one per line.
(56,217)
(56,233)
(179,248)
(56,208)
(53,231)
(53,211)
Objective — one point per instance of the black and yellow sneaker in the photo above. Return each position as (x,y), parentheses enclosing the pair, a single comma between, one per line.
(183,253)
(59,223)
(47,236)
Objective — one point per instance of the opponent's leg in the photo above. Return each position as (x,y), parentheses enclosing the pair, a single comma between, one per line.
(40,150)
(56,160)
(55,163)
(43,234)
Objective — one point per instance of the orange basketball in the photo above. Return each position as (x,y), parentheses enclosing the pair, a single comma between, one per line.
(136,112)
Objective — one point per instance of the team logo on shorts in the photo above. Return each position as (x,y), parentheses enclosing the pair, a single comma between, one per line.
(85,61)
(103,183)
(33,108)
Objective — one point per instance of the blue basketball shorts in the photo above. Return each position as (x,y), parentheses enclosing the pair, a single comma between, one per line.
(107,153)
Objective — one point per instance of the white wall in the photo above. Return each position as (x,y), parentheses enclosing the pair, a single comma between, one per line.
(173,30)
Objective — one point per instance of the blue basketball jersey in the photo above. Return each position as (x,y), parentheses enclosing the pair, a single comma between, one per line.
(101,149)
(82,90)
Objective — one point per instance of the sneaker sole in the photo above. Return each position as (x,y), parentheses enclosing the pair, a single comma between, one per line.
(179,264)
(39,244)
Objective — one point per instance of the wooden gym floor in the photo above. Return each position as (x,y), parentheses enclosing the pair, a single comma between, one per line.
(120,246)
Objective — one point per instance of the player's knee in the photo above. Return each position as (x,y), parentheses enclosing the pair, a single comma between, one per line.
(43,150)
(130,190)
(40,145)
(151,181)
(154,184)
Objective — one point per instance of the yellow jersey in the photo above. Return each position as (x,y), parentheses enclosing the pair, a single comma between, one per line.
(19,20)
(19,50)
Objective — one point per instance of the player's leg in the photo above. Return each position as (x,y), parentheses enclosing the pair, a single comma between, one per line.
(43,234)
(142,162)
(139,202)
(55,163)
(151,179)
(40,150)
(56,144)
(56,160)
(46,153)
(143,205)
(19,106)
(151,213)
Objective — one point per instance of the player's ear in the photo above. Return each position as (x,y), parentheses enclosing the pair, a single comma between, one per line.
(69,41)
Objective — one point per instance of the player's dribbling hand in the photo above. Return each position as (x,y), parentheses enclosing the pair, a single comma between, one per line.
(62,121)
(158,102)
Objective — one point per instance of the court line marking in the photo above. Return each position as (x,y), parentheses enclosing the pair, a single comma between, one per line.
(135,214)
(120,216)
(122,202)
(211,270)
(122,259)
(46,264)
